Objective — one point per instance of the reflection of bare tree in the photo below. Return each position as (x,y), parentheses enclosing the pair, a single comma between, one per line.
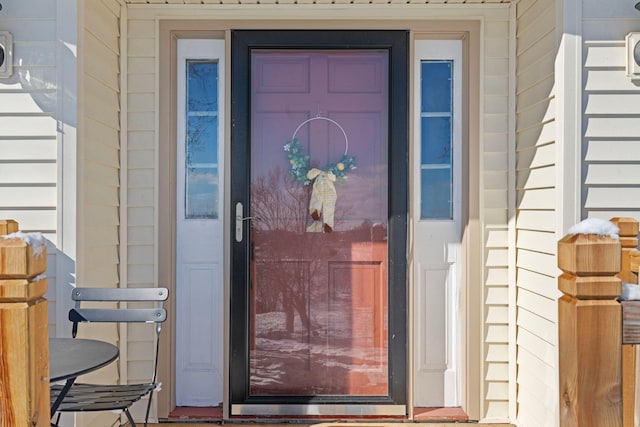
(280,202)
(291,265)
(284,286)
(306,320)
(283,204)
(283,282)
(290,260)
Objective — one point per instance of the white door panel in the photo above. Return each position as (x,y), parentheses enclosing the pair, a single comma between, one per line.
(431,339)
(199,337)
(199,248)
(437,236)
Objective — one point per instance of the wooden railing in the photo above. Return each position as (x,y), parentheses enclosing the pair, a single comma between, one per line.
(598,335)
(24,344)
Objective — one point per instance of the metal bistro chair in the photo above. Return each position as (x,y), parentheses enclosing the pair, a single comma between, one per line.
(94,397)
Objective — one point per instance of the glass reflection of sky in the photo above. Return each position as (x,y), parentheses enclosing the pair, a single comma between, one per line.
(436,86)
(202,86)
(202,136)
(201,192)
(436,139)
(436,193)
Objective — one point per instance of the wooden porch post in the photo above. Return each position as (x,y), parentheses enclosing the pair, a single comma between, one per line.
(24,344)
(630,318)
(589,318)
(629,242)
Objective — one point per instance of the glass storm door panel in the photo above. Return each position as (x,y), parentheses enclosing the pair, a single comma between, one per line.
(319,250)
(313,231)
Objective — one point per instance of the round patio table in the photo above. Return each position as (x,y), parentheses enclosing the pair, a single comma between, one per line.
(71,357)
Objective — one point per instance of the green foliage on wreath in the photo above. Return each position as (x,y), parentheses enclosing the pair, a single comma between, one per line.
(298,160)
(299,163)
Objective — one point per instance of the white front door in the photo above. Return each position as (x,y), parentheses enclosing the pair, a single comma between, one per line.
(199,223)
(437,221)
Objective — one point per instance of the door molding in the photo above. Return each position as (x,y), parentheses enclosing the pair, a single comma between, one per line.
(212,24)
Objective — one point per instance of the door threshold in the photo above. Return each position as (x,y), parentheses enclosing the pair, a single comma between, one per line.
(332,410)
(201,413)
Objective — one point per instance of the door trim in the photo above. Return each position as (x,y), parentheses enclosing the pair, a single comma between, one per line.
(397,43)
(213,25)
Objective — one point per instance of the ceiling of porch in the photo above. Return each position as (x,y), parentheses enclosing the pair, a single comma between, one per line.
(469,2)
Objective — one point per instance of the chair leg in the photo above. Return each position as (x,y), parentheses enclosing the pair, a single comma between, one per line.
(130,418)
(146,417)
(57,421)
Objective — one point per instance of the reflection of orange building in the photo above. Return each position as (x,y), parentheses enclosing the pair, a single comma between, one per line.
(368,270)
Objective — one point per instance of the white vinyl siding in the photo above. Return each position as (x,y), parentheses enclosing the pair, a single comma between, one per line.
(141,154)
(141,203)
(494,190)
(99,169)
(536,214)
(28,133)
(106,211)
(100,180)
(611,139)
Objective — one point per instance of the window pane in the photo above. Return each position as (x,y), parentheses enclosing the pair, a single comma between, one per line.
(436,137)
(201,148)
(436,140)
(436,86)
(202,197)
(436,194)
(202,86)
(202,139)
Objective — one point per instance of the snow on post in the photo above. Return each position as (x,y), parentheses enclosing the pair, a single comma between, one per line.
(589,325)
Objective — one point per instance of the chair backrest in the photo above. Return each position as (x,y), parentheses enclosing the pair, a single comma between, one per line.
(156,314)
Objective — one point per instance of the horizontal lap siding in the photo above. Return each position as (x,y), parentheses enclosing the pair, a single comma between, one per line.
(536,318)
(495,188)
(28,134)
(101,144)
(141,104)
(611,140)
(141,194)
(99,168)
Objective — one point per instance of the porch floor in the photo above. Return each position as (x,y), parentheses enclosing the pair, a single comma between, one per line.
(215,414)
(338,424)
(414,424)
(429,417)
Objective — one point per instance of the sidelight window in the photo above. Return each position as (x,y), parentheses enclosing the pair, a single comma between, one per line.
(201,145)
(436,117)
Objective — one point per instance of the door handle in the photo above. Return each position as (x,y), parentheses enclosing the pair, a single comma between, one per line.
(240,218)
